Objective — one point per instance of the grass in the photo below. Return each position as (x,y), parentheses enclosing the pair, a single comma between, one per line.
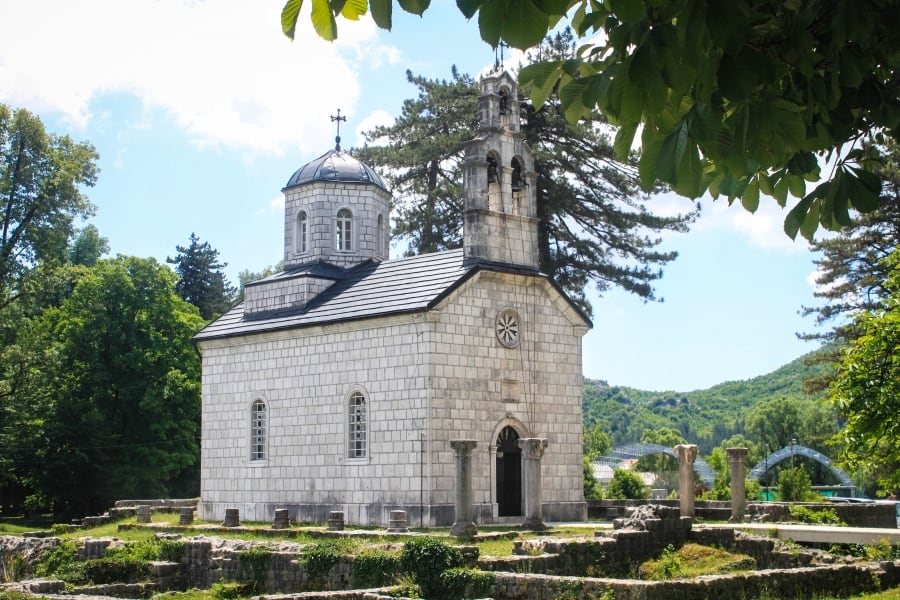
(693,560)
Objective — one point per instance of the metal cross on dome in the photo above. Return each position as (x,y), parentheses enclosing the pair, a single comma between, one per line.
(498,62)
(337,139)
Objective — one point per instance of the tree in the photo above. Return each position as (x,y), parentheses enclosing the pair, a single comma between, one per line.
(112,408)
(596,442)
(736,99)
(202,282)
(423,152)
(626,484)
(246,276)
(41,176)
(88,247)
(794,485)
(592,488)
(593,224)
(867,387)
(660,463)
(775,423)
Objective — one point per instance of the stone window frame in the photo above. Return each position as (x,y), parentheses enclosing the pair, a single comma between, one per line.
(344,230)
(301,232)
(358,408)
(379,235)
(258,431)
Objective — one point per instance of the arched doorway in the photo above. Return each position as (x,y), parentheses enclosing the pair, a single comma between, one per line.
(509,473)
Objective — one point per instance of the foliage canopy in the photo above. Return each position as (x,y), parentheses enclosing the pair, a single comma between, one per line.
(737,99)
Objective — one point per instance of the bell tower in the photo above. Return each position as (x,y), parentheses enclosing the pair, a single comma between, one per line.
(500,225)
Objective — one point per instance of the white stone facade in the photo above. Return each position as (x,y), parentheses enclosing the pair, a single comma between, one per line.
(321,201)
(428,378)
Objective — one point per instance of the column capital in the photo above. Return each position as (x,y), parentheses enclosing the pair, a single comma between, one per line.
(736,454)
(686,453)
(463,447)
(533,447)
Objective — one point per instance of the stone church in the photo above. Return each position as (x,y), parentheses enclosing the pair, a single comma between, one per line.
(339,383)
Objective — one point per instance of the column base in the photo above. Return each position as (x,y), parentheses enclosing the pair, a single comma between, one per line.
(464,529)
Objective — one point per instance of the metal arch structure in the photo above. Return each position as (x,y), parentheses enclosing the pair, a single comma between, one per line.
(798,450)
(639,449)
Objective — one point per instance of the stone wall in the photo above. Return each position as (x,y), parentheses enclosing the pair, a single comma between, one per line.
(854,514)
(709,510)
(791,583)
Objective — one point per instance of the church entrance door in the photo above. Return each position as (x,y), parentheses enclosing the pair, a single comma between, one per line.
(509,474)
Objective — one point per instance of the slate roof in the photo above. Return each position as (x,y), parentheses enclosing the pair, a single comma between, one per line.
(335,165)
(370,289)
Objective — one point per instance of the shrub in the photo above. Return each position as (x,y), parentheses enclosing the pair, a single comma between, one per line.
(426,558)
(61,563)
(375,569)
(825,516)
(231,590)
(462,582)
(116,570)
(257,561)
(171,550)
(626,484)
(319,558)
(794,485)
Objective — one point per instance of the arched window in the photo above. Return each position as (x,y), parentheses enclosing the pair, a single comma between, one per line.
(344,230)
(301,233)
(518,179)
(379,235)
(258,430)
(357,429)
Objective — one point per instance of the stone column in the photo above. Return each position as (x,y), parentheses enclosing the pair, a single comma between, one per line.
(464,525)
(687,454)
(738,489)
(532,452)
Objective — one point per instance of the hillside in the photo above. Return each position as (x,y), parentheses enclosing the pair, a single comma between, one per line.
(705,417)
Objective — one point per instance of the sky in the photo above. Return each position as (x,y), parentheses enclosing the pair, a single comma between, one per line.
(201,110)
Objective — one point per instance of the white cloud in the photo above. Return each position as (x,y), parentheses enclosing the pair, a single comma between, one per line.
(371,121)
(763,229)
(221,69)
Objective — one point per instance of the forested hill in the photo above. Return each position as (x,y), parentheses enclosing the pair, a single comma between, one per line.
(704,417)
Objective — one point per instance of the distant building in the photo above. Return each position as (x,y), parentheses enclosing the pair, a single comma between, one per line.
(338,383)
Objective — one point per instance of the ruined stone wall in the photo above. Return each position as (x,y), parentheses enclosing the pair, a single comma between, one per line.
(854,514)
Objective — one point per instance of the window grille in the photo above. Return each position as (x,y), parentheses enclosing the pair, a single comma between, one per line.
(344,230)
(357,426)
(258,431)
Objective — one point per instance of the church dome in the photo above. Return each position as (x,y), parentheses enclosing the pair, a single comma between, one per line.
(335,166)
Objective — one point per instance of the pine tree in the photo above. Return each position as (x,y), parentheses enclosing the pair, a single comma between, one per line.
(201,280)
(852,271)
(595,224)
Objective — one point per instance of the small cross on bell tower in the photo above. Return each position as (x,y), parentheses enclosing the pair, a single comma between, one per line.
(337,138)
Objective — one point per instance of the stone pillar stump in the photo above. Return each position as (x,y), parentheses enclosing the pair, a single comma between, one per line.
(736,458)
(232,518)
(143,513)
(336,520)
(687,454)
(186,516)
(532,453)
(397,523)
(464,525)
(281,520)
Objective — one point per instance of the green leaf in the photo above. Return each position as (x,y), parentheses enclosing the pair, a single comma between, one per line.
(651,145)
(781,192)
(524,24)
(797,216)
(323,20)
(624,140)
(671,153)
(540,79)
(490,20)
(796,185)
(689,173)
(382,13)
(628,11)
(354,9)
(865,190)
(289,15)
(571,95)
(469,7)
(750,197)
(416,7)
